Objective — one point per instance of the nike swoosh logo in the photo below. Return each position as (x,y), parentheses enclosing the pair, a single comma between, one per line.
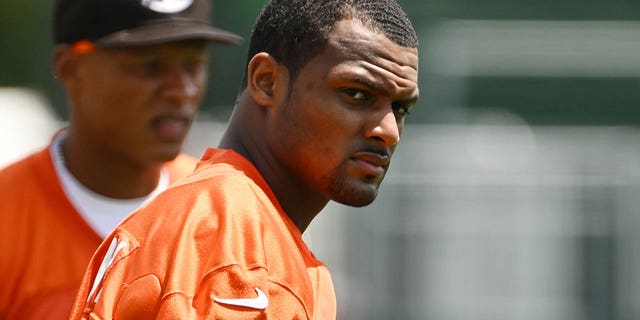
(261,302)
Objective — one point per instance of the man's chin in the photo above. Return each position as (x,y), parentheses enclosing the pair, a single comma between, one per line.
(166,153)
(357,196)
(359,203)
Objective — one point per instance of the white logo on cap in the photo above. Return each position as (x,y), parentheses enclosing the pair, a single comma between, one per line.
(167,6)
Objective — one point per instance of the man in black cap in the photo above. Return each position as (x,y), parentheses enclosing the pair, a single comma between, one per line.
(135,72)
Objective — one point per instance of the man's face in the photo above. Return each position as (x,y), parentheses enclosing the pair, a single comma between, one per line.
(139,103)
(345,113)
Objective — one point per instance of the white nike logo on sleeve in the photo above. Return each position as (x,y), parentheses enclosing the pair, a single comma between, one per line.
(261,302)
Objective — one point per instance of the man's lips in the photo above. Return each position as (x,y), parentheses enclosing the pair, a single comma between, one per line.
(170,127)
(371,163)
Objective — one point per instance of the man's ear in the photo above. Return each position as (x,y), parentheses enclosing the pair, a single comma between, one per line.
(267,80)
(64,64)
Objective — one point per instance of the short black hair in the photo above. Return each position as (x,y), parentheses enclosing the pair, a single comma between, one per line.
(295,31)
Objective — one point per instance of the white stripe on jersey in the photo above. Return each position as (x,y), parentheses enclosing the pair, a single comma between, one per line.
(114,248)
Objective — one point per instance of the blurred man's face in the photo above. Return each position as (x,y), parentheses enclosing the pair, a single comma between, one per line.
(139,102)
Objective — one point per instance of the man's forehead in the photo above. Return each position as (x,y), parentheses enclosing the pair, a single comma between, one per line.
(373,55)
(357,40)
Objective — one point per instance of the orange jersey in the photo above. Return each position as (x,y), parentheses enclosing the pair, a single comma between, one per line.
(217,245)
(45,244)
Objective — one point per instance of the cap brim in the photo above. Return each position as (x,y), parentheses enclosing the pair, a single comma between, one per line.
(167,32)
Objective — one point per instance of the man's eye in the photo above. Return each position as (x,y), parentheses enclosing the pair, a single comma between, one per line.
(356,94)
(401,109)
(194,65)
(152,67)
(145,68)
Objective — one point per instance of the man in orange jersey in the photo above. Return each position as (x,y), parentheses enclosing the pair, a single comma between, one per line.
(321,110)
(134,72)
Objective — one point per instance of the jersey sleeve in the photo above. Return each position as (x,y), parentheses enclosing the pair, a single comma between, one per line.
(104,279)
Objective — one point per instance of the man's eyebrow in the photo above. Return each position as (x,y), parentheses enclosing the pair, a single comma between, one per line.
(366,81)
(378,85)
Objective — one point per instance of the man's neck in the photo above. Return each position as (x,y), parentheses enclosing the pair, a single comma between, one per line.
(109,174)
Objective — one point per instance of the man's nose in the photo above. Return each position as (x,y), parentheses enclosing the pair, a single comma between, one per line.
(182,84)
(387,130)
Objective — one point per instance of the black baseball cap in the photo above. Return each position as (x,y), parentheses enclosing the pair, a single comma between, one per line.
(123,23)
